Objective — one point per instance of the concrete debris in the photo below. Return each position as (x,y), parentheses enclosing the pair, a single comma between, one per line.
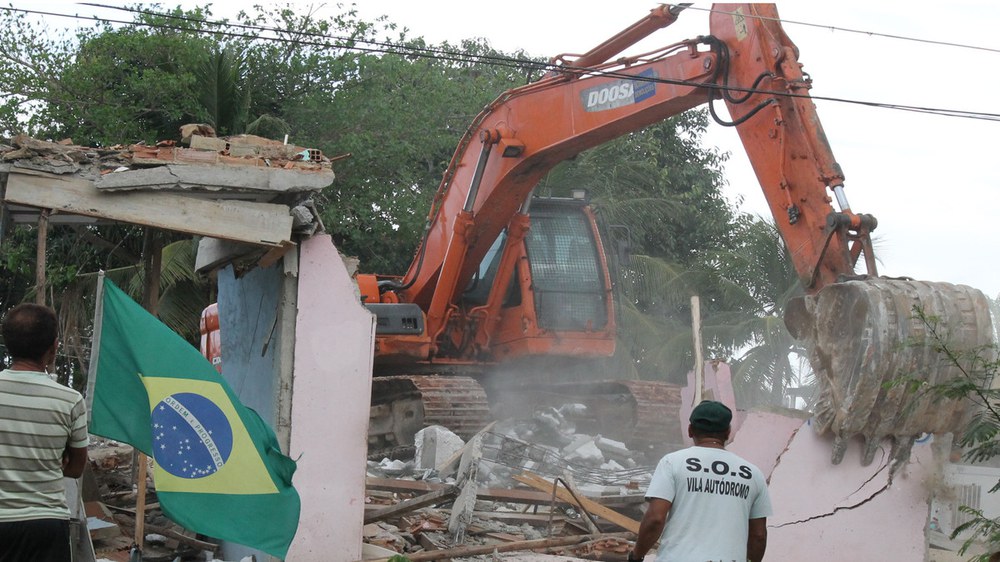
(587,453)
(110,500)
(241,151)
(435,444)
(600,491)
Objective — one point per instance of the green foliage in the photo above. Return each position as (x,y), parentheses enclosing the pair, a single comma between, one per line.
(756,281)
(108,84)
(400,118)
(224,92)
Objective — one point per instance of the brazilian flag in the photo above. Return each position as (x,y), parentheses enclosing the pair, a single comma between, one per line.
(218,468)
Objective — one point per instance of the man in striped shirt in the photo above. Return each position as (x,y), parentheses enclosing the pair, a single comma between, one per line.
(43,437)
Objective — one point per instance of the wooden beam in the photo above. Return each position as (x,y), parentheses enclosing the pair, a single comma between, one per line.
(465,551)
(40,261)
(592,507)
(489,494)
(242,221)
(406,506)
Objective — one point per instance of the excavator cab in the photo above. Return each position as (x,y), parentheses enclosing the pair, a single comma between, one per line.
(565,264)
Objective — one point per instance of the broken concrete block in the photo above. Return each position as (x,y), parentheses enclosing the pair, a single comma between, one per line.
(550,418)
(578,441)
(191,129)
(573,410)
(612,465)
(435,444)
(611,447)
(214,144)
(841,512)
(587,453)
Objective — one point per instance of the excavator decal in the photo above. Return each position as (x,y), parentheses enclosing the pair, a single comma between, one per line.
(620,93)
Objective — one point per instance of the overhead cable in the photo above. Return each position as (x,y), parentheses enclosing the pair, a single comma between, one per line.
(380,47)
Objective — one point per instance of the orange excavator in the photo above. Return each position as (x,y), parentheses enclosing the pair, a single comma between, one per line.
(507,288)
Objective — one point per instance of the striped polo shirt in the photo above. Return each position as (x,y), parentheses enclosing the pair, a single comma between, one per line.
(39,418)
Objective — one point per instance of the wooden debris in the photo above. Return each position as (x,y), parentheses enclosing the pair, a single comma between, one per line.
(449,465)
(498,547)
(610,515)
(487,494)
(428,499)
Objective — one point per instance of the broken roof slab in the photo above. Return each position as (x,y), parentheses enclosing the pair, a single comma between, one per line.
(259,184)
(265,224)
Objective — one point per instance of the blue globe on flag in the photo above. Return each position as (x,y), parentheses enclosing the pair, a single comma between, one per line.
(192,437)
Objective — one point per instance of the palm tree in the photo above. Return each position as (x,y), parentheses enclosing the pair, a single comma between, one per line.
(225,93)
(182,297)
(759,278)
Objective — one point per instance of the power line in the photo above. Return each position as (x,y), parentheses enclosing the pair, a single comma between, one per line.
(453,56)
(520,63)
(856,31)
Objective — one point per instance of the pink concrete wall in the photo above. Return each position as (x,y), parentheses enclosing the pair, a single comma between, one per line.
(331,390)
(764,438)
(833,513)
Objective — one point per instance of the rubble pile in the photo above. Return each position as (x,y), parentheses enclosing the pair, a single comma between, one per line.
(110,503)
(518,485)
(201,147)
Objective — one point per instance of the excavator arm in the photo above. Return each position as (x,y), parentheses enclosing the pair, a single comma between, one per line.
(759,72)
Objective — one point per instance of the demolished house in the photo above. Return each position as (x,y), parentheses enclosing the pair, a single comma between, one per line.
(299,344)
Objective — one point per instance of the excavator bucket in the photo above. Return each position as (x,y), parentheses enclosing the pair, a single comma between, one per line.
(867,336)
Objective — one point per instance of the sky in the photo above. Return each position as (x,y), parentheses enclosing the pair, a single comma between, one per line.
(930,180)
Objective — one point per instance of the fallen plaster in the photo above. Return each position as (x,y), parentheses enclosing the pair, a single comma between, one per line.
(826,512)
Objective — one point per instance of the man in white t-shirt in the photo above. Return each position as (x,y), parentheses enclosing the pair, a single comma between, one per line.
(717,502)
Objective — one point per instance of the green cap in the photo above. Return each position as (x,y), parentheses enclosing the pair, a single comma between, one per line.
(711,416)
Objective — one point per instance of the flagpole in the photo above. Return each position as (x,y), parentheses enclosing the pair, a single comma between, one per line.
(151,257)
(95,344)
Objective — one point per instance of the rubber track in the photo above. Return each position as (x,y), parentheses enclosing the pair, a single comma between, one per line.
(458,403)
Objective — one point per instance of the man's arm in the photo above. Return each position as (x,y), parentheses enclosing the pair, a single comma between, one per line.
(651,526)
(74,461)
(757,539)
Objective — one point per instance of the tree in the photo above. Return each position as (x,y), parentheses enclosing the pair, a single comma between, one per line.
(400,117)
(758,279)
(107,85)
(980,438)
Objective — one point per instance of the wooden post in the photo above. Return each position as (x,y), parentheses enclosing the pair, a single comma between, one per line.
(699,358)
(151,262)
(43,237)
(152,258)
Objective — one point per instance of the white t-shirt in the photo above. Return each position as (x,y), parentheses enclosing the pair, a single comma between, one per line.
(714,494)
